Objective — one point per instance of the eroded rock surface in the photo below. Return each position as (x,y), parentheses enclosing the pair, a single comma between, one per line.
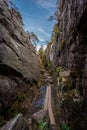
(19,66)
(17,123)
(70,53)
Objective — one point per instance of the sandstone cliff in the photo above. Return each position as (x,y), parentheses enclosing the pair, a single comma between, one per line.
(19,66)
(70,63)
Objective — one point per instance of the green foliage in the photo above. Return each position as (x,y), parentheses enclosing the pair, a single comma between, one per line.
(59,69)
(54,33)
(22,97)
(20,17)
(48,45)
(15,113)
(42,57)
(55,28)
(55,15)
(34,38)
(44,60)
(13,7)
(60,78)
(37,106)
(62,44)
(64,127)
(49,65)
(43,125)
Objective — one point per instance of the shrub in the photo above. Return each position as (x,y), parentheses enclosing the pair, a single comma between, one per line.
(43,125)
(58,69)
(60,78)
(64,127)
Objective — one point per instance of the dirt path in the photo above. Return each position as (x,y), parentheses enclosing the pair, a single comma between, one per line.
(47,111)
(51,115)
(48,105)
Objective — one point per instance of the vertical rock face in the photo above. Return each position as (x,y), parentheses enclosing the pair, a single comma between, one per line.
(49,53)
(71,54)
(19,65)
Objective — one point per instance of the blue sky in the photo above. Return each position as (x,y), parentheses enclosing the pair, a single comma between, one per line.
(35,14)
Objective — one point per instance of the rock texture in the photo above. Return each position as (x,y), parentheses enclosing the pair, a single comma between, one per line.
(70,53)
(49,52)
(17,123)
(19,66)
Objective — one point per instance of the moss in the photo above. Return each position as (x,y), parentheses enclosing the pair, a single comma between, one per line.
(15,113)
(67,85)
(38,107)
(16,106)
(62,44)
(65,127)
(59,69)
(60,79)
(22,97)
(43,125)
(49,64)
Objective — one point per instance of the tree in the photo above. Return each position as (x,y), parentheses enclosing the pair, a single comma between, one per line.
(42,57)
(54,33)
(55,15)
(13,8)
(34,38)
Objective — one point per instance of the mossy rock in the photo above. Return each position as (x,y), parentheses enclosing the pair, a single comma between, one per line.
(60,79)
(22,97)
(59,69)
(62,44)
(67,85)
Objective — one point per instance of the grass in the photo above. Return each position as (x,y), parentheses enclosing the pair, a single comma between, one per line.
(64,127)
(59,69)
(22,97)
(43,125)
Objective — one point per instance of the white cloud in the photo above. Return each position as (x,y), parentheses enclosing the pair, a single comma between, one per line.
(41,39)
(38,47)
(44,46)
(46,3)
(42,31)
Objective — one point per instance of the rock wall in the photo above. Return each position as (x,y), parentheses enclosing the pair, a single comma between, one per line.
(70,53)
(49,52)
(19,65)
